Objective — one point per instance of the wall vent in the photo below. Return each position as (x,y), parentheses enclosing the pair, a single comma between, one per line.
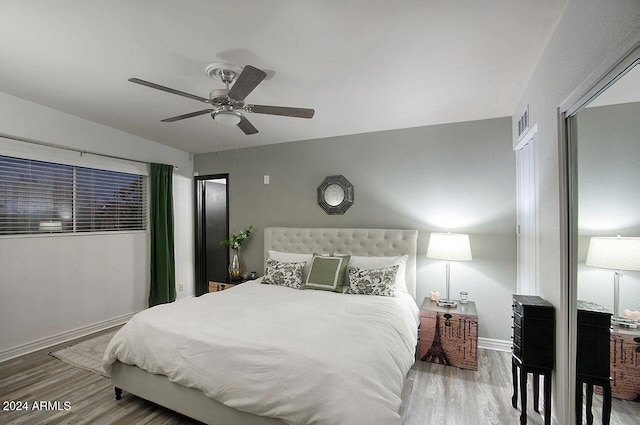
(523,122)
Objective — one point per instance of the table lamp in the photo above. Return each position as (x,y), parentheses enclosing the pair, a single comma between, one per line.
(615,253)
(449,247)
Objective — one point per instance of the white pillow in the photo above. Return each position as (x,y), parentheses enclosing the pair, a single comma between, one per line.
(362,262)
(293,257)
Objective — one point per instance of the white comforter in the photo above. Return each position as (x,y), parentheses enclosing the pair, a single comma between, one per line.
(305,356)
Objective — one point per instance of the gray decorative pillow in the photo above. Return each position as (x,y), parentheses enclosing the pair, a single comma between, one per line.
(372,282)
(283,274)
(327,273)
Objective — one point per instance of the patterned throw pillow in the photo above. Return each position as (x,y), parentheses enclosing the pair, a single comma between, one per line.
(283,274)
(372,282)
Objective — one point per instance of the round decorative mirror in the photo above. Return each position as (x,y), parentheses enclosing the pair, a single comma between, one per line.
(335,194)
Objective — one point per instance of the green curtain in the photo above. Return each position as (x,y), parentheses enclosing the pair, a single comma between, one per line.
(163,276)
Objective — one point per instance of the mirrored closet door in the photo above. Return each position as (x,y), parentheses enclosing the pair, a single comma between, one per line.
(604,158)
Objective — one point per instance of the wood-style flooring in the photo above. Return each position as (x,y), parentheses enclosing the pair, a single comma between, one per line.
(433,394)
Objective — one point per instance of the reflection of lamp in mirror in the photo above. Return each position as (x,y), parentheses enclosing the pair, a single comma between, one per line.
(449,247)
(50,226)
(615,253)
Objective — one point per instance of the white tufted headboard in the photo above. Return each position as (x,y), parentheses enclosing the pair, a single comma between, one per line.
(371,242)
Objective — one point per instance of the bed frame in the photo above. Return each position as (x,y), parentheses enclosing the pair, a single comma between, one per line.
(192,402)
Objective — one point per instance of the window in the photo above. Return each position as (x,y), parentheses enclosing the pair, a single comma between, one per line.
(109,200)
(42,197)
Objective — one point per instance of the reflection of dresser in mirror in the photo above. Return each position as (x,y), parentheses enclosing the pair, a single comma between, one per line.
(594,330)
(593,359)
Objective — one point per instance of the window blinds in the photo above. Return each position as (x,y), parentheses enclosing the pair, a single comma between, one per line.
(39,197)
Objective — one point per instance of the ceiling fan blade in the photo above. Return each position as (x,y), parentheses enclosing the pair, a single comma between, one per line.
(281,110)
(246,126)
(168,90)
(189,115)
(249,78)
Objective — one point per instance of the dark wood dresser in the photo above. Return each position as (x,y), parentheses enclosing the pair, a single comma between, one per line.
(592,358)
(533,351)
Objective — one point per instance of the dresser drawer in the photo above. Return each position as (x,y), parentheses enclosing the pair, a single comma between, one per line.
(517,336)
(517,352)
(517,319)
(532,307)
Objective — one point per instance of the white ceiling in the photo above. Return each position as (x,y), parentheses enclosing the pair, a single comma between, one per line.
(364,66)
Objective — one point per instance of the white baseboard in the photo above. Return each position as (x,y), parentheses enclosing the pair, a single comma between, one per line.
(495,344)
(60,338)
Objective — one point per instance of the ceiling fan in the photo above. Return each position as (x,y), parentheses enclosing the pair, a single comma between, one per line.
(228,103)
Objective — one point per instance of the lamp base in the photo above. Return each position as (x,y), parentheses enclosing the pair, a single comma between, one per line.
(447,303)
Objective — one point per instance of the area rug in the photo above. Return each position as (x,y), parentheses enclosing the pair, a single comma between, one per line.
(87,354)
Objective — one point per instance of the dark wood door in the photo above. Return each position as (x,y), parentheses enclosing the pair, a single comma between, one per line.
(211,227)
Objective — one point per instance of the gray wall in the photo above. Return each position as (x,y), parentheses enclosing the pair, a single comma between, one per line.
(453,177)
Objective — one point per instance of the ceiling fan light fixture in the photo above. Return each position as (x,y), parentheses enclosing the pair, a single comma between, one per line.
(227,118)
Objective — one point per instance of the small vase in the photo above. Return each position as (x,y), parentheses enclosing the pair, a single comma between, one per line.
(235,268)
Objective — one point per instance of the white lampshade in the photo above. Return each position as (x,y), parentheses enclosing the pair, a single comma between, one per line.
(227,118)
(617,253)
(449,247)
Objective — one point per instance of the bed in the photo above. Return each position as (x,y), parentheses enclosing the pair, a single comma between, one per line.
(287,356)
